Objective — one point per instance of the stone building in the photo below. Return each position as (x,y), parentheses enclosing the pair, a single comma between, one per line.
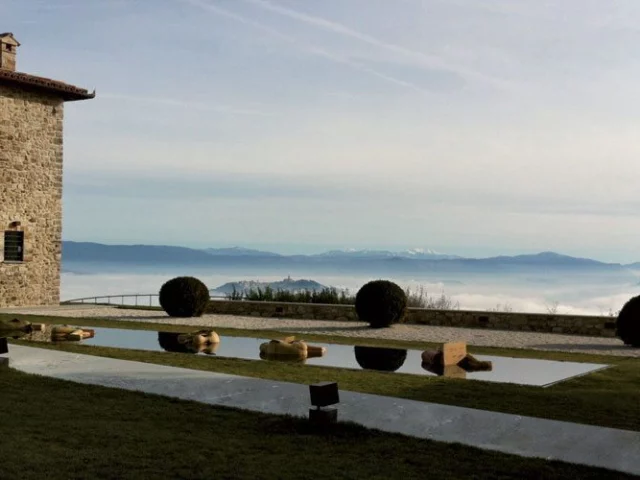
(31,110)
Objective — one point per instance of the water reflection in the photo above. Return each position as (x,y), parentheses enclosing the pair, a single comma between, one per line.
(376,358)
(449,371)
(203,341)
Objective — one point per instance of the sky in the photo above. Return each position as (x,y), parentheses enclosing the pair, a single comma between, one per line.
(298,126)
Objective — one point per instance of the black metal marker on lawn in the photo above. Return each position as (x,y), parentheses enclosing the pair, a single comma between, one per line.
(323,395)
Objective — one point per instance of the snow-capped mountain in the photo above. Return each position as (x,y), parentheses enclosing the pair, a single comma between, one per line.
(415,253)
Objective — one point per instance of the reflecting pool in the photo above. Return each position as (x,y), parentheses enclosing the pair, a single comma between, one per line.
(521,371)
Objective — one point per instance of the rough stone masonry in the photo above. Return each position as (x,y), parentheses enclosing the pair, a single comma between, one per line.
(31,155)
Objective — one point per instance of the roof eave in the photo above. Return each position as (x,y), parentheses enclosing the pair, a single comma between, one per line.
(76,97)
(66,92)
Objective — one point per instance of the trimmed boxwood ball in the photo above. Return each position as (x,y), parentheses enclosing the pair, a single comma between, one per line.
(184,297)
(381,303)
(628,322)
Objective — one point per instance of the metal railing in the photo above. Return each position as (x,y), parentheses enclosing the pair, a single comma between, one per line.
(110,300)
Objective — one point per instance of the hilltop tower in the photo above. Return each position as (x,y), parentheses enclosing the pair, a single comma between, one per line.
(31,118)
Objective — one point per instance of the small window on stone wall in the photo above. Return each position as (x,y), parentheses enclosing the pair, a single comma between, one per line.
(13,246)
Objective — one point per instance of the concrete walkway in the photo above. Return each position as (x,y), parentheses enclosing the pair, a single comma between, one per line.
(425,333)
(531,437)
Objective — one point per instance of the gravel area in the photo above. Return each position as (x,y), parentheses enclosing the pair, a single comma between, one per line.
(426,333)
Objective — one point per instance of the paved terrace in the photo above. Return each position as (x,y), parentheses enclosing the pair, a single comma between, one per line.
(426,333)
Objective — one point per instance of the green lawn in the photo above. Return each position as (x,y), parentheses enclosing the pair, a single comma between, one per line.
(608,398)
(62,430)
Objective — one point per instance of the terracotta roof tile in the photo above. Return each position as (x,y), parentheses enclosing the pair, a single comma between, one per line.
(64,90)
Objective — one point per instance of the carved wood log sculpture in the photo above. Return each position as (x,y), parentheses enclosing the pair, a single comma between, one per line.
(452,360)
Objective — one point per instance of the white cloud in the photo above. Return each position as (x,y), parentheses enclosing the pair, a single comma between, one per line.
(314,50)
(424,59)
(172,102)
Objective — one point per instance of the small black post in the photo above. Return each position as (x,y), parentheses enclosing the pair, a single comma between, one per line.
(323,395)
(4,348)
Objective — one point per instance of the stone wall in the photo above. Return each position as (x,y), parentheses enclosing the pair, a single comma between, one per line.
(31,193)
(533,322)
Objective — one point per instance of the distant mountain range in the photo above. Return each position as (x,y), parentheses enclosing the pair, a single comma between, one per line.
(239,251)
(409,260)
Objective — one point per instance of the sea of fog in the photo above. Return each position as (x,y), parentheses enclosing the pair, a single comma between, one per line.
(578,293)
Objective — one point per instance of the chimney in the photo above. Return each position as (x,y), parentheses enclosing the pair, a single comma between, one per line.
(8,47)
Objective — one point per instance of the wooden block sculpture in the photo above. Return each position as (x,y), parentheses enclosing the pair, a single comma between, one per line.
(290,349)
(453,353)
(17,328)
(39,332)
(202,341)
(452,360)
(68,333)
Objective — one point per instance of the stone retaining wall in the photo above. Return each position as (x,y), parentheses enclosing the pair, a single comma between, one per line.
(533,322)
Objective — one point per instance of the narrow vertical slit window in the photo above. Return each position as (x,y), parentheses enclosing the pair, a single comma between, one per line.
(13,246)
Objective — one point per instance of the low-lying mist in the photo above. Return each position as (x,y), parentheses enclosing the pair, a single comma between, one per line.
(563,293)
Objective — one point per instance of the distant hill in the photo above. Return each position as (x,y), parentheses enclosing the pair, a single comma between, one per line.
(98,252)
(286,284)
(545,258)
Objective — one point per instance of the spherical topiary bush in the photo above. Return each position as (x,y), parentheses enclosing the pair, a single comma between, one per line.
(628,323)
(184,297)
(380,303)
(383,359)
